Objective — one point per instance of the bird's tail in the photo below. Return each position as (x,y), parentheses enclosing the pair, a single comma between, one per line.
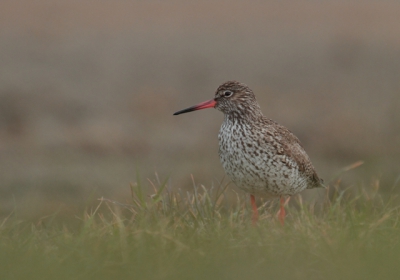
(321,184)
(317,182)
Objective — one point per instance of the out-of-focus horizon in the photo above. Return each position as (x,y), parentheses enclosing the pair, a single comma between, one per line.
(88,89)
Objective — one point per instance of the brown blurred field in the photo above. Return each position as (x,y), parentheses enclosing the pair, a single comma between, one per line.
(88,88)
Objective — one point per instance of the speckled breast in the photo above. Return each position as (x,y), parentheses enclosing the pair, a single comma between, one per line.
(250,158)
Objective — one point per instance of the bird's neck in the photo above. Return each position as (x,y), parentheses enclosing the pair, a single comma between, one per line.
(241,117)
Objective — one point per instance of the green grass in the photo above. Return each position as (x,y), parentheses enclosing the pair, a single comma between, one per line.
(204,235)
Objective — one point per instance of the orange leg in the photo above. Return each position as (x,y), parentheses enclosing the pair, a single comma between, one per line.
(282,212)
(255,210)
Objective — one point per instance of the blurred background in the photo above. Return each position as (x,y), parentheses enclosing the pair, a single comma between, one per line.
(88,89)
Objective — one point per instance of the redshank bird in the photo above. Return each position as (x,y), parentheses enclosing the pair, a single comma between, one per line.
(258,154)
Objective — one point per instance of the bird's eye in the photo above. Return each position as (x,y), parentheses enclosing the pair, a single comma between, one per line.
(228,93)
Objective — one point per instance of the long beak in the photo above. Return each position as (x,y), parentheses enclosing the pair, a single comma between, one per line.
(207,104)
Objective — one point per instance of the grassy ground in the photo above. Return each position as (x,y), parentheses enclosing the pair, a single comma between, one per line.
(353,234)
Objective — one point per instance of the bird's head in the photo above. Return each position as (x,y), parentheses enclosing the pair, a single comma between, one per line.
(231,98)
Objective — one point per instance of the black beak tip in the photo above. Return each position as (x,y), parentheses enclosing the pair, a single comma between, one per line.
(183,111)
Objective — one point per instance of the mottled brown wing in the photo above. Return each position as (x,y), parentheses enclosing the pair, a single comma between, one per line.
(294,149)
